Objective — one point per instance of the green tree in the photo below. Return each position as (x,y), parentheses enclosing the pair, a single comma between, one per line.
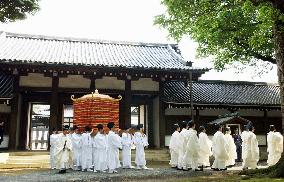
(11,10)
(232,31)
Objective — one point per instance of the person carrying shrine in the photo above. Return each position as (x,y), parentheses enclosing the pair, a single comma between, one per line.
(175,147)
(52,152)
(274,146)
(86,147)
(251,154)
(100,145)
(192,148)
(77,148)
(231,148)
(184,139)
(64,151)
(219,149)
(205,148)
(238,143)
(114,144)
(140,141)
(127,142)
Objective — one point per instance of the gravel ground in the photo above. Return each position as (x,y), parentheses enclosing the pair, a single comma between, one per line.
(122,175)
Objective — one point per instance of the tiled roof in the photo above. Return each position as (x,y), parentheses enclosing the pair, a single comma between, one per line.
(6,86)
(228,120)
(71,51)
(223,93)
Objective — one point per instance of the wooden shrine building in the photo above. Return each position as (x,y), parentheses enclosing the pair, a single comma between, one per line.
(39,74)
(231,103)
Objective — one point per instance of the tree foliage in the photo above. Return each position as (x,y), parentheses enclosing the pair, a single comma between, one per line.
(228,30)
(11,10)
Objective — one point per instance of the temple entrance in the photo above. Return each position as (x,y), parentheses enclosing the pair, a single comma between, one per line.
(39,126)
(138,115)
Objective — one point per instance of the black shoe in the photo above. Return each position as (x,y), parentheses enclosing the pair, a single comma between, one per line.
(189,168)
(62,171)
(185,169)
(199,169)
(225,169)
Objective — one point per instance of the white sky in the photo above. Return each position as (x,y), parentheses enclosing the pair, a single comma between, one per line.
(125,20)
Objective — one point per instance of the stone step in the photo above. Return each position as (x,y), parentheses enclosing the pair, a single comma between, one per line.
(24,165)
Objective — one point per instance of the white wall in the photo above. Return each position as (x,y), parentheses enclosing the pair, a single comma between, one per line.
(74,81)
(156,128)
(110,83)
(5,108)
(251,112)
(145,84)
(274,114)
(213,112)
(35,80)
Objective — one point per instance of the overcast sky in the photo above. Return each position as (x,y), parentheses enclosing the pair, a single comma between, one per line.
(125,20)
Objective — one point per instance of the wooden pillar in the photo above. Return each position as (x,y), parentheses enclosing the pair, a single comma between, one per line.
(197,117)
(93,84)
(127,103)
(162,124)
(14,113)
(150,118)
(24,124)
(54,104)
(60,116)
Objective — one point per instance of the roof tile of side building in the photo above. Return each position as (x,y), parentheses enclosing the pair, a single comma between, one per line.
(6,86)
(34,49)
(223,93)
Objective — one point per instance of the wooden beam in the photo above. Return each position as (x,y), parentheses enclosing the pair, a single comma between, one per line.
(14,113)
(24,124)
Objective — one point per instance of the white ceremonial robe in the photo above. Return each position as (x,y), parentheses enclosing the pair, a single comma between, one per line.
(100,145)
(64,154)
(184,139)
(52,152)
(244,137)
(274,147)
(87,143)
(77,149)
(251,155)
(205,149)
(175,147)
(127,142)
(114,144)
(140,141)
(219,149)
(192,150)
(232,151)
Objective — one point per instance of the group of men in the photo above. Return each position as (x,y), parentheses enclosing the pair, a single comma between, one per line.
(96,150)
(190,150)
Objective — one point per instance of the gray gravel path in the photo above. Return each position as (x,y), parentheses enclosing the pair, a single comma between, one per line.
(122,175)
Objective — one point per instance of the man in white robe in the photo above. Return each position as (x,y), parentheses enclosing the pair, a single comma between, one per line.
(251,154)
(175,147)
(127,143)
(114,144)
(64,151)
(219,149)
(232,151)
(184,139)
(244,137)
(140,141)
(274,146)
(87,143)
(192,148)
(77,148)
(100,145)
(53,143)
(205,148)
